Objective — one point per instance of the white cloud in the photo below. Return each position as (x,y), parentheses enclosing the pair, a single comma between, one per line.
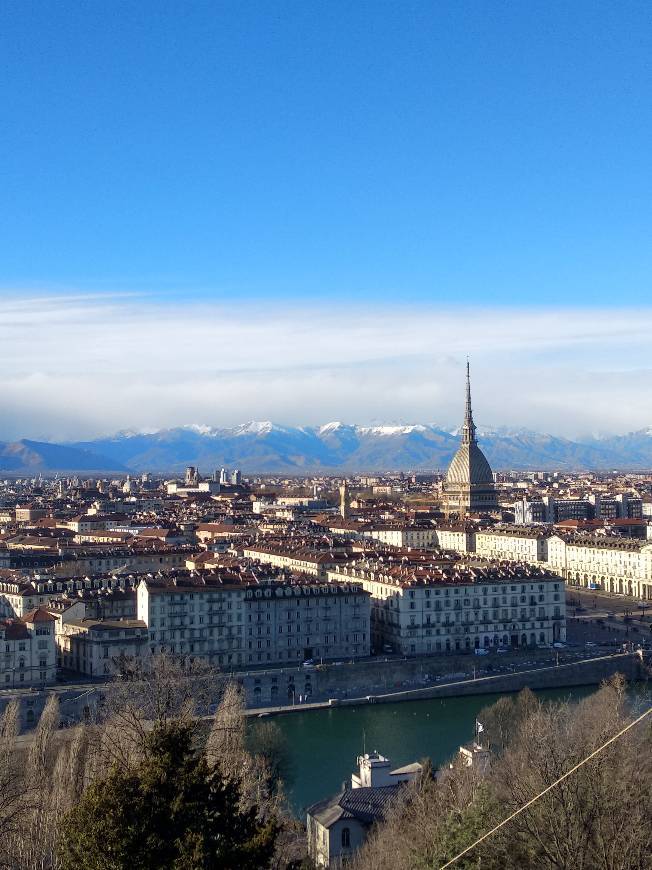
(78,365)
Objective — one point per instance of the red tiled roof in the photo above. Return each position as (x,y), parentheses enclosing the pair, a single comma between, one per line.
(38,615)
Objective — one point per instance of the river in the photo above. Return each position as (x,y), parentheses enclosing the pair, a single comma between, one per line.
(325,743)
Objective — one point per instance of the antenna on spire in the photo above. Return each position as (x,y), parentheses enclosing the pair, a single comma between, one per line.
(468,427)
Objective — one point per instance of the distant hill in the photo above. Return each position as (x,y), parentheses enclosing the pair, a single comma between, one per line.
(268,447)
(32,457)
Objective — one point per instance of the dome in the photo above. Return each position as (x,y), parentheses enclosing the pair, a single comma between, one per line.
(469,466)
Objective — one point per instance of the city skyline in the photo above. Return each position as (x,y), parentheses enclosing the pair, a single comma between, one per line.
(325,385)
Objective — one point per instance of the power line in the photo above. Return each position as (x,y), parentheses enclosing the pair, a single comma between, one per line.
(545,791)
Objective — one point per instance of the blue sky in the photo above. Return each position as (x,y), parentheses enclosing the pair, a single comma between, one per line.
(227,158)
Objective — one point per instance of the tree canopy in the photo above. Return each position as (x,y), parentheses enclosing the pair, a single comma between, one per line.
(170,811)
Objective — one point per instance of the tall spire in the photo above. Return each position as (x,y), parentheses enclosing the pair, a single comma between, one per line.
(468,427)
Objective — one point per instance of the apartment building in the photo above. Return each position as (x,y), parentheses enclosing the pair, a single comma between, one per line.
(99,647)
(422,610)
(295,622)
(614,564)
(235,623)
(209,533)
(27,650)
(18,597)
(456,537)
(403,536)
(513,543)
(141,557)
(596,506)
(305,560)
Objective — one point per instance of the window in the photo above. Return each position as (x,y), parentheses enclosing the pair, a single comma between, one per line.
(346,838)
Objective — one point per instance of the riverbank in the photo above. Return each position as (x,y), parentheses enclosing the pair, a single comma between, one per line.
(586,672)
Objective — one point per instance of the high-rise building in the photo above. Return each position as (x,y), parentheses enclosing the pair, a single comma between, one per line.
(469,486)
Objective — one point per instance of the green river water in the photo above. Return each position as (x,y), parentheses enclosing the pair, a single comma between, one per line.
(324,743)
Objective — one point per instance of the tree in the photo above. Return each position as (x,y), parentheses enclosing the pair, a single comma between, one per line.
(226,740)
(169,811)
(158,689)
(268,742)
(599,818)
(13,802)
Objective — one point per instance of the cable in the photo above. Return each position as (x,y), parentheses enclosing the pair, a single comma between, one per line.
(546,790)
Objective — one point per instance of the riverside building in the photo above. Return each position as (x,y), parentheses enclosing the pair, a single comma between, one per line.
(27,651)
(235,622)
(419,609)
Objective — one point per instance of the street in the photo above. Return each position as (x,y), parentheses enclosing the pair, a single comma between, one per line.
(603,618)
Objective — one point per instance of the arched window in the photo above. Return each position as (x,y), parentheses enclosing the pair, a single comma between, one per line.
(346,838)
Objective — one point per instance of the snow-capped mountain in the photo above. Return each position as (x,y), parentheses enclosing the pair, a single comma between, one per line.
(264,446)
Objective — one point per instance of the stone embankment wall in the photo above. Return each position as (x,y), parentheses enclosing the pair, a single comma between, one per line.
(285,689)
(435,677)
(586,673)
(401,682)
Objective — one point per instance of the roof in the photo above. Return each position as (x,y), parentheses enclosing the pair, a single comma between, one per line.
(39,615)
(107,624)
(14,629)
(415,767)
(469,465)
(366,805)
(157,533)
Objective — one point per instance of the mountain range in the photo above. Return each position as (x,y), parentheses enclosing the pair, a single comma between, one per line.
(267,447)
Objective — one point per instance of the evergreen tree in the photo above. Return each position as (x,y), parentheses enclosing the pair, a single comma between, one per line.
(168,812)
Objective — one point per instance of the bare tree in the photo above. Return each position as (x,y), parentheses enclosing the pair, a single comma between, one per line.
(157,690)
(13,786)
(600,817)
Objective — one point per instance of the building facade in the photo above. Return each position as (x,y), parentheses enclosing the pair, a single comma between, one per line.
(237,624)
(421,612)
(621,565)
(100,647)
(512,543)
(27,650)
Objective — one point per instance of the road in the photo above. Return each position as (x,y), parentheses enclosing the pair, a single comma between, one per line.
(606,619)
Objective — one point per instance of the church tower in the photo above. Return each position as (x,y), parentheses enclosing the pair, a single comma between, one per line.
(344,500)
(469,486)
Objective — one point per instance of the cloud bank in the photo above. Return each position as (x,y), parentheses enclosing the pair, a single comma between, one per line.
(75,366)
